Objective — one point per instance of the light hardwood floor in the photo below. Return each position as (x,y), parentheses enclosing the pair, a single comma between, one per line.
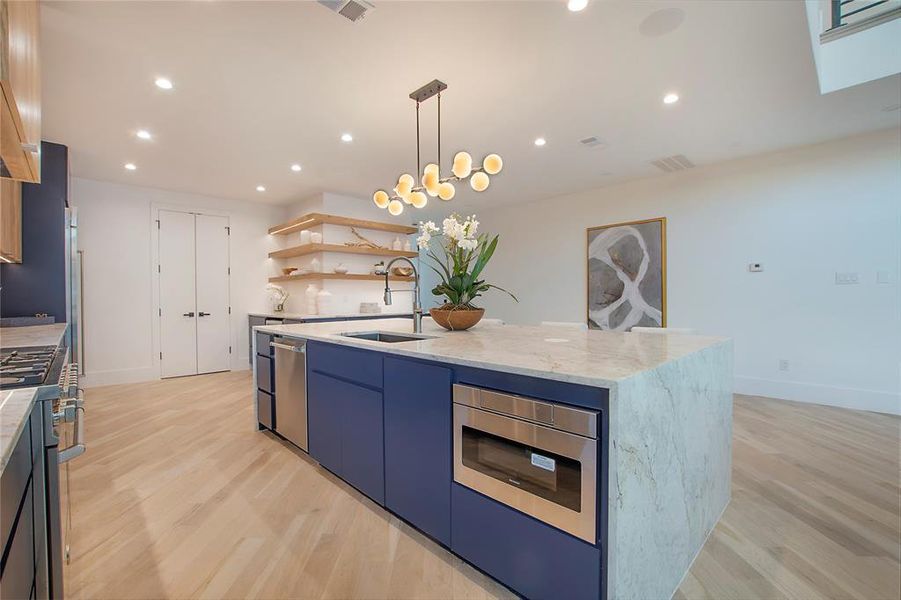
(179,496)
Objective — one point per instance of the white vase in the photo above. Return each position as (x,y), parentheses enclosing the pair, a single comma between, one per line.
(304,237)
(311,292)
(316,237)
(407,246)
(397,245)
(324,302)
(316,266)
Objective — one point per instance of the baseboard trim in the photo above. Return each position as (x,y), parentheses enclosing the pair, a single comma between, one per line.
(139,375)
(813,393)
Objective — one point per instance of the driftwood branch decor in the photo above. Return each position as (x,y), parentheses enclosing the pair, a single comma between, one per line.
(365,243)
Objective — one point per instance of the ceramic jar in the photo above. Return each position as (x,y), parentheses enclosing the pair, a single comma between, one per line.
(304,237)
(311,293)
(324,302)
(316,237)
(316,266)
(397,245)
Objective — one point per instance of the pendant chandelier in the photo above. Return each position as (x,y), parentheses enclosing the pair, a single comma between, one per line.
(431,182)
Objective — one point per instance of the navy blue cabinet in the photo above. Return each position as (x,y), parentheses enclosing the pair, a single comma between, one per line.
(536,560)
(265,382)
(418,460)
(345,422)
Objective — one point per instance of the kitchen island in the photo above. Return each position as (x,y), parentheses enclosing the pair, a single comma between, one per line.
(622,516)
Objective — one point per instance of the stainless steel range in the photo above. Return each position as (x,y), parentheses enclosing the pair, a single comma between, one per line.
(30,366)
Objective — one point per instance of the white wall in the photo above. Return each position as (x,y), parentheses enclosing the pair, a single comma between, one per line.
(805,213)
(114,233)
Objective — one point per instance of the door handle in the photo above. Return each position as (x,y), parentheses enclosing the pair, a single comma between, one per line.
(203,314)
(188,314)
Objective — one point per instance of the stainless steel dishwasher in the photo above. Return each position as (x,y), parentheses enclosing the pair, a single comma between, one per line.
(291,390)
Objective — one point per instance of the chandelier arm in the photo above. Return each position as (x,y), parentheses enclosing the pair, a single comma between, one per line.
(439,134)
(418,162)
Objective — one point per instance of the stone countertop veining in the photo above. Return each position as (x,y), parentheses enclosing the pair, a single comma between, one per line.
(346,315)
(34,335)
(15,407)
(595,358)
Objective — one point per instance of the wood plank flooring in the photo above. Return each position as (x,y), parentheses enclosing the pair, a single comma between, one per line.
(179,496)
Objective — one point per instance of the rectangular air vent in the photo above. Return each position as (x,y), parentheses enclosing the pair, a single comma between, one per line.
(591,141)
(676,162)
(349,9)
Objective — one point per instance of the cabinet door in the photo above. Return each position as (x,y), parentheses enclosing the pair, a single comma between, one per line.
(418,459)
(324,398)
(10,220)
(362,436)
(20,89)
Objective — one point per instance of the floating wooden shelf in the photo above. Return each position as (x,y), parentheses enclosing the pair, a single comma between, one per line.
(314,248)
(313,219)
(344,276)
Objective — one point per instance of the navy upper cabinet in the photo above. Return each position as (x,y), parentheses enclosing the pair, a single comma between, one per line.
(418,460)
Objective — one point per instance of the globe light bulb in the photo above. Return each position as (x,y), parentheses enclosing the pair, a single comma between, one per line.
(419,199)
(407,198)
(431,168)
(430,183)
(462,165)
(403,187)
(479,181)
(492,164)
(395,207)
(446,190)
(381,198)
(406,178)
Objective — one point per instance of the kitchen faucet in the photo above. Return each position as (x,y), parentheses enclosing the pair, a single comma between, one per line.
(417,307)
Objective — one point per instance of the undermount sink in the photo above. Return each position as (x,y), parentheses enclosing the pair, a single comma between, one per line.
(387,337)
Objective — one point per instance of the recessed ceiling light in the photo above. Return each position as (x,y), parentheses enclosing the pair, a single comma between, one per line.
(261,188)
(540,141)
(163,83)
(576,5)
(671,98)
(295,168)
(346,137)
(143,134)
(131,166)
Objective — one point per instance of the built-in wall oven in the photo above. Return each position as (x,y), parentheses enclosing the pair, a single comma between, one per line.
(537,457)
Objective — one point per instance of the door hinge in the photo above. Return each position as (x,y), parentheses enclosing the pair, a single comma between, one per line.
(229,349)
(229,270)
(158,269)
(161,312)
(229,310)
(161,356)
(157,223)
(228,230)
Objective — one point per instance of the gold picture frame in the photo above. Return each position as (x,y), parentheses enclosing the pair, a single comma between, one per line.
(588,232)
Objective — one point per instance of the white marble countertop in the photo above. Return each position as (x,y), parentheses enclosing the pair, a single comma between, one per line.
(346,315)
(15,406)
(34,335)
(595,358)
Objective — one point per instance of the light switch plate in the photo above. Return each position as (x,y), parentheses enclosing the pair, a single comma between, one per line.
(849,278)
(755,267)
(883,276)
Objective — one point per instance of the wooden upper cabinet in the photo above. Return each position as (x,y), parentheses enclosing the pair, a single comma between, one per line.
(20,84)
(10,221)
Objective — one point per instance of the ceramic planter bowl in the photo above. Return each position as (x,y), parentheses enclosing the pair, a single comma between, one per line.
(457,319)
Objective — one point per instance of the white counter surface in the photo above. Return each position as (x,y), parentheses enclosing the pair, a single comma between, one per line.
(596,358)
(15,406)
(34,335)
(347,315)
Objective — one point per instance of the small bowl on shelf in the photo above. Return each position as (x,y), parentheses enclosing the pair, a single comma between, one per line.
(340,269)
(287,271)
(402,271)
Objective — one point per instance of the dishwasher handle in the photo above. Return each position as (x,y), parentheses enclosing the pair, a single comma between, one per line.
(78,444)
(300,349)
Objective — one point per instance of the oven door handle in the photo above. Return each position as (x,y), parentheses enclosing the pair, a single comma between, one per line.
(78,446)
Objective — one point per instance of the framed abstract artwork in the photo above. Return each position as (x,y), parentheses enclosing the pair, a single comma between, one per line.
(627,275)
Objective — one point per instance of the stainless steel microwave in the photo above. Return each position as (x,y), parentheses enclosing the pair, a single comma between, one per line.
(537,457)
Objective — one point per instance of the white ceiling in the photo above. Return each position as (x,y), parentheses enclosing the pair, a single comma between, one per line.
(261,85)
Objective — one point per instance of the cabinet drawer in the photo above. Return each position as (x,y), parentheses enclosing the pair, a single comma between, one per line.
(265,409)
(17,578)
(264,374)
(534,559)
(351,364)
(13,483)
(263,347)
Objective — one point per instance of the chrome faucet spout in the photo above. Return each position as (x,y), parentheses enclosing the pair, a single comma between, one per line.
(417,306)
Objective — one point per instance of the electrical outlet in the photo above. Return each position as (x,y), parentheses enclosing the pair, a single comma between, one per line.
(849,278)
(783,364)
(755,267)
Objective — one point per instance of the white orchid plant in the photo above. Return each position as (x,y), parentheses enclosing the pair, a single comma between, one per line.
(466,252)
(277,295)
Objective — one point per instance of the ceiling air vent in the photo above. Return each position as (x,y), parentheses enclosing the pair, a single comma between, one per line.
(676,162)
(592,141)
(350,9)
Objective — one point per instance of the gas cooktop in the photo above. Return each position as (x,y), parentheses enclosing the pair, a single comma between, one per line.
(27,367)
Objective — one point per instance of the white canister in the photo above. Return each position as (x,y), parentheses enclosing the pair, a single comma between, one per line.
(316,266)
(397,245)
(311,292)
(304,237)
(407,246)
(324,302)
(316,237)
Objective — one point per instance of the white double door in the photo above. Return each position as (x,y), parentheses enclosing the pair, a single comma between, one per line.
(193,277)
